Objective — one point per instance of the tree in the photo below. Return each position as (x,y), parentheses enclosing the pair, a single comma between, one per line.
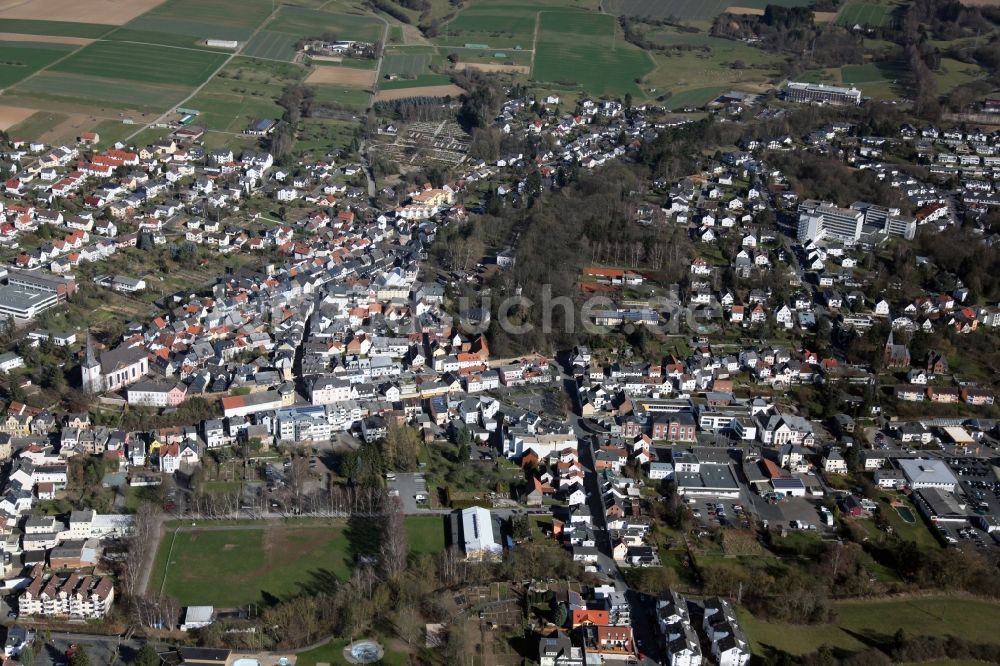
(560,615)
(27,656)
(80,657)
(147,656)
(393,548)
(400,447)
(520,527)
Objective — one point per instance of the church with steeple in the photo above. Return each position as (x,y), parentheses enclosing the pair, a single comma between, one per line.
(116,368)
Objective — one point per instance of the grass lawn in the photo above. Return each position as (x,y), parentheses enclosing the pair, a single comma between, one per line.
(955,73)
(317,136)
(936,616)
(234,567)
(695,76)
(584,50)
(111,131)
(425,533)
(233,111)
(917,530)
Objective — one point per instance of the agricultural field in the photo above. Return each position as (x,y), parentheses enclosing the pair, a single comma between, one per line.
(302,22)
(19,60)
(406,63)
(91,92)
(272,46)
(75,11)
(341,97)
(687,9)
(54,28)
(231,106)
(858,620)
(342,76)
(187,22)
(418,82)
(578,50)
(280,35)
(237,566)
(496,26)
(865,14)
(145,63)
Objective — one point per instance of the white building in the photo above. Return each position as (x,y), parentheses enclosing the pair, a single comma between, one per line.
(478,541)
(927,473)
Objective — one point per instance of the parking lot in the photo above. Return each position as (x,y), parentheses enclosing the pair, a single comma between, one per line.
(409,487)
(717,511)
(782,513)
(978,482)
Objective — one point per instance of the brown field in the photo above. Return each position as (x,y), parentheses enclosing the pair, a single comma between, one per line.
(112,12)
(423,91)
(745,11)
(342,76)
(490,67)
(12,115)
(67,129)
(824,17)
(48,39)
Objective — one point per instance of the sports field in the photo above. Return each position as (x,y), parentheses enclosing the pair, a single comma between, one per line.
(234,567)
(21,59)
(578,49)
(686,9)
(145,63)
(857,620)
(865,14)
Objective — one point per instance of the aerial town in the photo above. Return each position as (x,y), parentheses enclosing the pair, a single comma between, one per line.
(399,333)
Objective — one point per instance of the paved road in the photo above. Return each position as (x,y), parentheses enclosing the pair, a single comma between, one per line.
(101,649)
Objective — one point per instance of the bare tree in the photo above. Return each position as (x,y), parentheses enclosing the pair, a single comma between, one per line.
(393,549)
(141,540)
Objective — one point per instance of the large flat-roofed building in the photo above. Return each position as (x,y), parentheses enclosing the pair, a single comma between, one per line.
(710,480)
(478,540)
(23,304)
(41,281)
(798,91)
(926,473)
(820,221)
(941,506)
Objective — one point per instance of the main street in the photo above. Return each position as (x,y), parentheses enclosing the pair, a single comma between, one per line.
(644,630)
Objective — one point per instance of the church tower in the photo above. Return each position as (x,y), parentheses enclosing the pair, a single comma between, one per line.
(90,371)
